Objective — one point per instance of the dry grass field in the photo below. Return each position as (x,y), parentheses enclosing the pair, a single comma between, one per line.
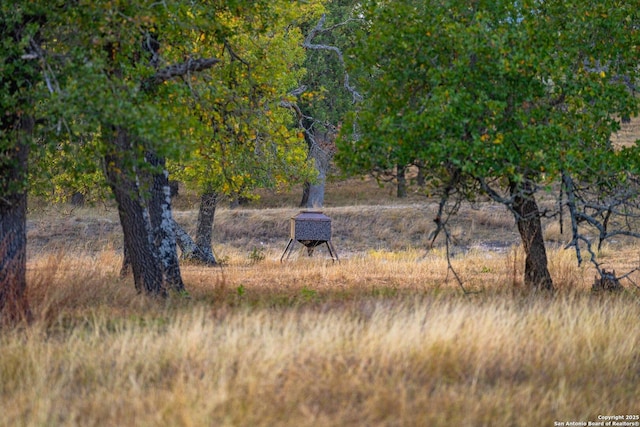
(385,337)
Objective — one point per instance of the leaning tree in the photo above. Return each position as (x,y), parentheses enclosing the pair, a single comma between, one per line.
(506,98)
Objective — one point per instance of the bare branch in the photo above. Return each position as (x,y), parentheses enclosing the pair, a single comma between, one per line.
(308,44)
(183,69)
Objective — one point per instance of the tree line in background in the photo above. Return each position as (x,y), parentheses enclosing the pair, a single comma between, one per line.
(494,98)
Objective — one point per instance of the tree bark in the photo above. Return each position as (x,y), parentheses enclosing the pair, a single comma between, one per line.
(13,223)
(314,197)
(20,73)
(204,229)
(200,250)
(190,250)
(123,178)
(527,216)
(305,194)
(163,224)
(402,181)
(316,190)
(421,179)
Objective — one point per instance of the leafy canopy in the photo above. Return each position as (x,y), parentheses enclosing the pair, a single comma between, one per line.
(495,89)
(98,63)
(245,139)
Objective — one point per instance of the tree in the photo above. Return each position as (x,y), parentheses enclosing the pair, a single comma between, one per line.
(113,80)
(20,28)
(327,92)
(110,70)
(246,140)
(503,98)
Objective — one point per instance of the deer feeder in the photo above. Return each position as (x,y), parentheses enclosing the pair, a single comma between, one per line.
(312,229)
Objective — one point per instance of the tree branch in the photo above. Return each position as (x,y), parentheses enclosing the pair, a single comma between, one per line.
(183,69)
(307,44)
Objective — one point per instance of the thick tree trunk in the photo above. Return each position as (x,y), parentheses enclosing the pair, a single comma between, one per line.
(19,76)
(163,224)
(527,215)
(13,225)
(123,179)
(402,181)
(321,161)
(316,190)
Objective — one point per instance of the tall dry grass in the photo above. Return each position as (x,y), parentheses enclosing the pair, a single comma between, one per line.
(381,338)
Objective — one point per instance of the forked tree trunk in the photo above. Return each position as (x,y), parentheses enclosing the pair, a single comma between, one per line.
(13,225)
(123,179)
(527,215)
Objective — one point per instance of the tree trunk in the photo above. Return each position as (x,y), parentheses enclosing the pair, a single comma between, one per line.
(123,179)
(421,179)
(321,160)
(316,190)
(527,215)
(126,261)
(402,181)
(204,229)
(13,223)
(18,77)
(163,224)
(305,194)
(200,250)
(190,251)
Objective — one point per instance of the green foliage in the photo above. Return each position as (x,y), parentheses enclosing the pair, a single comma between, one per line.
(326,99)
(308,294)
(20,26)
(245,139)
(257,255)
(495,89)
(240,291)
(98,62)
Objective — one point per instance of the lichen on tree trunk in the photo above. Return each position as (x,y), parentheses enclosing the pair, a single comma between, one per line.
(123,179)
(163,224)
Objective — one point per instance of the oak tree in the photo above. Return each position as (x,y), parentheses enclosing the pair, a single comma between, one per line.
(505,98)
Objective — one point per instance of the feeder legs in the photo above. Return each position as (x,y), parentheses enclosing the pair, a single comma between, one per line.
(289,246)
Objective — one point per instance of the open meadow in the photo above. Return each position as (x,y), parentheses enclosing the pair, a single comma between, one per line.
(384,337)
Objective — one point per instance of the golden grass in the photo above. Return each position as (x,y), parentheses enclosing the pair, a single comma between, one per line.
(385,337)
(381,338)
